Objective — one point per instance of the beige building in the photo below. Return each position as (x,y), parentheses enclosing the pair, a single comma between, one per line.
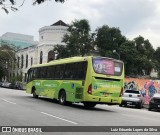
(42,52)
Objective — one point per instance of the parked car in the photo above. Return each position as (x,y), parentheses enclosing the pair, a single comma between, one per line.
(5,84)
(154,103)
(1,84)
(12,86)
(132,97)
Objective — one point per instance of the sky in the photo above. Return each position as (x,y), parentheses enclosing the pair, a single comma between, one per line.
(132,17)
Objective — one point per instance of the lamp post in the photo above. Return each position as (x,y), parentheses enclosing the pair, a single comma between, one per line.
(114,51)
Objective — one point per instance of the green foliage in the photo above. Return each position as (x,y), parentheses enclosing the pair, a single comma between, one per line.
(5,4)
(156,57)
(7,56)
(144,58)
(62,51)
(16,78)
(108,39)
(78,41)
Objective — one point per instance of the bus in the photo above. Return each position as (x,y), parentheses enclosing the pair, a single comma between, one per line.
(89,80)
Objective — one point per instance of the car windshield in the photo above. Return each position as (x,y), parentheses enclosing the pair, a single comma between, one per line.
(132,91)
(107,66)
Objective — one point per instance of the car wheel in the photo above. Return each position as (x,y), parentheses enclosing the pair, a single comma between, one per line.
(139,106)
(149,109)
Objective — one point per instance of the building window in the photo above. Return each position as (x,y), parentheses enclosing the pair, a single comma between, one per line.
(41,57)
(31,61)
(51,55)
(18,61)
(26,61)
(25,77)
(22,59)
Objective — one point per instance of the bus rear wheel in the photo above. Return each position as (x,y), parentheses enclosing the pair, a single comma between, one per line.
(62,97)
(89,104)
(34,94)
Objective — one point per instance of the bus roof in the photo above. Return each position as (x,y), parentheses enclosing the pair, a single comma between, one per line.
(61,61)
(69,60)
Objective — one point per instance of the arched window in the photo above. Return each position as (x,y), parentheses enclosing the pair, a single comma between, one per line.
(26,61)
(41,57)
(22,59)
(51,55)
(31,61)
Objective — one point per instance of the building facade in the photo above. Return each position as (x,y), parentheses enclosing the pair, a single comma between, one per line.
(17,40)
(49,36)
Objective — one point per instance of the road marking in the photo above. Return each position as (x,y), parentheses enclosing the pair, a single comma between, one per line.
(59,118)
(8,101)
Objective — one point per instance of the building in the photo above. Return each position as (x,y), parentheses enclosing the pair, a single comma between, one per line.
(49,36)
(17,40)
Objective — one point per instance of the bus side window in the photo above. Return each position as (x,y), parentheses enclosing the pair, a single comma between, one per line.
(34,73)
(68,71)
(44,72)
(59,71)
(81,70)
(50,72)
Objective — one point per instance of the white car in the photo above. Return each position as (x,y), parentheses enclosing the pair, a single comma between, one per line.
(132,97)
(5,84)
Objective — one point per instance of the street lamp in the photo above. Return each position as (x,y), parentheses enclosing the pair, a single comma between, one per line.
(114,51)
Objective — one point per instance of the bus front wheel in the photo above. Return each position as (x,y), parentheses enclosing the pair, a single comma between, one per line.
(34,94)
(62,97)
(89,104)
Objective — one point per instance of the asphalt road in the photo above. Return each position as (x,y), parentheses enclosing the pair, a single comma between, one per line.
(18,108)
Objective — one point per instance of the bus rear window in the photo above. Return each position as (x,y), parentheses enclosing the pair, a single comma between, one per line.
(107,66)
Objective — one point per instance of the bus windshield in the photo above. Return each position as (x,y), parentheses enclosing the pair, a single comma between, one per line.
(107,66)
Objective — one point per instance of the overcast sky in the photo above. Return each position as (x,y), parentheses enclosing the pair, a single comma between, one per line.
(133,17)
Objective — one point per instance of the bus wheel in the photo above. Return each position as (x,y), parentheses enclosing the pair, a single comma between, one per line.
(62,97)
(89,104)
(34,94)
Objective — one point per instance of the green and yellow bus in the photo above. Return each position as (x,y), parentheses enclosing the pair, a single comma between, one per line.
(89,80)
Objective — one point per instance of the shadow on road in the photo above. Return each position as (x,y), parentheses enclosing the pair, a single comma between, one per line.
(74,105)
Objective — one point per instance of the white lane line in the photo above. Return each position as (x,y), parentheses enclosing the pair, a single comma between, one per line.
(8,101)
(59,118)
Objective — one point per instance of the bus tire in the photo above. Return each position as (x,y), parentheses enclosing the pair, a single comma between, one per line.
(34,93)
(62,97)
(89,104)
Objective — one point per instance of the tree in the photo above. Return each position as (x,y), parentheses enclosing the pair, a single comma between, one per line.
(156,57)
(62,51)
(108,39)
(78,41)
(10,4)
(144,57)
(7,57)
(128,54)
